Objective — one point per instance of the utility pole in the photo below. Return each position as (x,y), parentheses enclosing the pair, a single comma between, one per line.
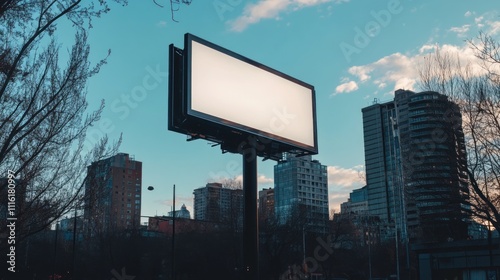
(173,236)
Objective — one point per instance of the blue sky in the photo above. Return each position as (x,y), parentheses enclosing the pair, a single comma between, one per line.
(352,51)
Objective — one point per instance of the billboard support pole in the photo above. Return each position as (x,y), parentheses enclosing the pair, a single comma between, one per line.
(250,216)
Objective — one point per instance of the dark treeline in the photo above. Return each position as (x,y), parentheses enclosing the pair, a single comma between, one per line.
(216,254)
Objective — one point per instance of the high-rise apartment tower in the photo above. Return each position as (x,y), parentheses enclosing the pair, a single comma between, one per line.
(301,188)
(415,165)
(113,194)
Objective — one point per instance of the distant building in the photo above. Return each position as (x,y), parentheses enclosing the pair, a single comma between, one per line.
(478,231)
(164,224)
(182,213)
(357,202)
(113,194)
(266,204)
(301,185)
(464,259)
(69,224)
(415,166)
(216,203)
(369,228)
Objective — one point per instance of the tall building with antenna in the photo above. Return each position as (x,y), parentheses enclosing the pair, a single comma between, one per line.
(416,166)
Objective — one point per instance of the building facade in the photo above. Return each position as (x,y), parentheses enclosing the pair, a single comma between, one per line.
(181,213)
(216,203)
(301,187)
(266,204)
(113,195)
(415,166)
(357,203)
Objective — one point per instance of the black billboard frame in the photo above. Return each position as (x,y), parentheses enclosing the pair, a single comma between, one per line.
(232,137)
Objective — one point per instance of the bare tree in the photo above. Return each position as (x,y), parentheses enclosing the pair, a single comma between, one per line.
(174,6)
(475,87)
(281,244)
(43,117)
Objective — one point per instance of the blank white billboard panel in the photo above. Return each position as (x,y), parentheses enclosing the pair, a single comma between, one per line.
(240,93)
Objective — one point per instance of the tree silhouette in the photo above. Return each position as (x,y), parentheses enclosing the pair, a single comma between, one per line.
(174,6)
(43,119)
(475,87)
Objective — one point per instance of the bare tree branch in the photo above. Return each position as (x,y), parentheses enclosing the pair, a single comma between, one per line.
(478,95)
(43,117)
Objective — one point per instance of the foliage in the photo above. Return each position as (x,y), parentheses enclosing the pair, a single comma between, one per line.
(43,107)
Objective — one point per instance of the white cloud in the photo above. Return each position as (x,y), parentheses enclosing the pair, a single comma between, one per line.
(341,181)
(468,14)
(161,23)
(335,199)
(494,27)
(261,179)
(360,72)
(461,31)
(427,48)
(488,22)
(405,83)
(400,71)
(479,21)
(380,84)
(346,87)
(267,9)
(396,69)
(346,177)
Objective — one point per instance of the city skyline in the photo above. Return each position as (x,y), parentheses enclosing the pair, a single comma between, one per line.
(352,52)
(372,151)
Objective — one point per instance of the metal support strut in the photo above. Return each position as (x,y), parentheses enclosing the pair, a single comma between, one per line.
(250,216)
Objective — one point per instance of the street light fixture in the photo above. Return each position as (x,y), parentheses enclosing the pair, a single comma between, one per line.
(150,188)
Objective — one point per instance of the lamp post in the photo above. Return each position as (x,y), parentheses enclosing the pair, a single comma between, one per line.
(151,188)
(74,244)
(173,236)
(370,252)
(55,251)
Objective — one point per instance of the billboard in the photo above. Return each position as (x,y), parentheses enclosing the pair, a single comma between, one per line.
(225,97)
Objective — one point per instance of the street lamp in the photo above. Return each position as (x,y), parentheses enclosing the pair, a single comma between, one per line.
(150,188)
